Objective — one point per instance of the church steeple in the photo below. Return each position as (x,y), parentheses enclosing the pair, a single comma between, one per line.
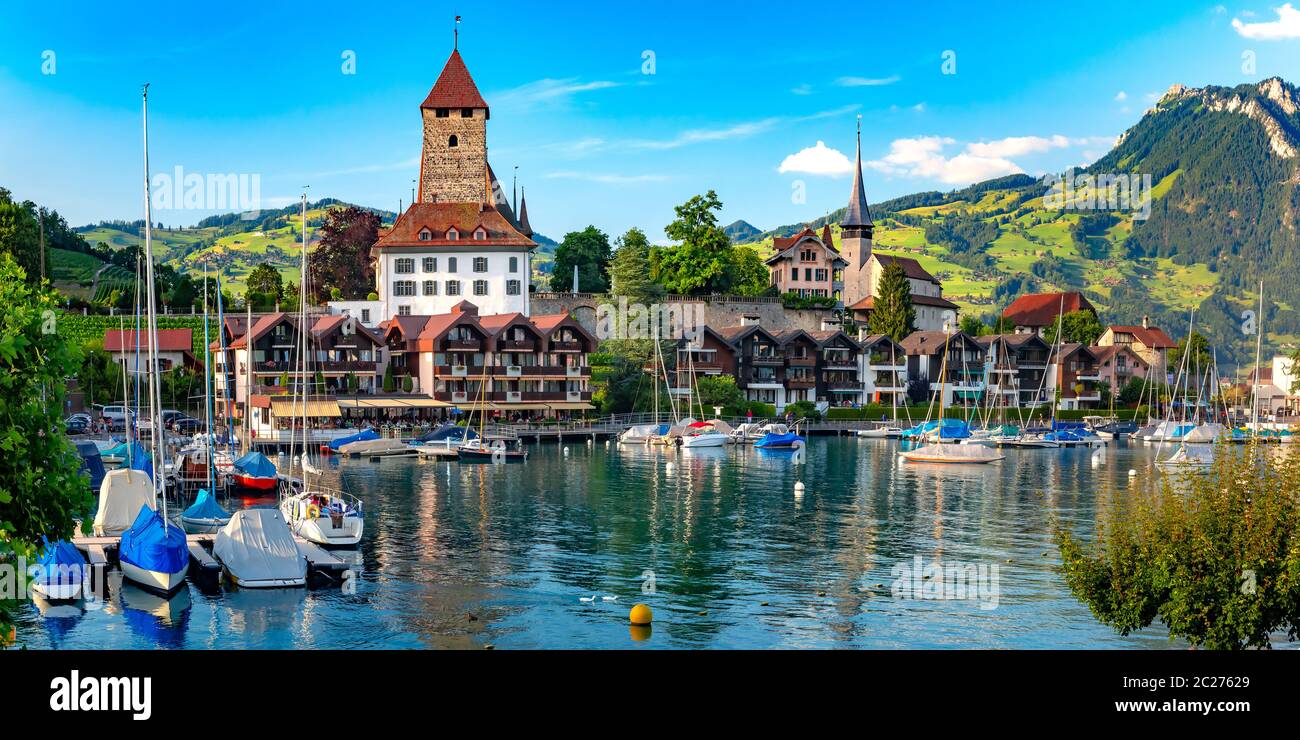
(524,228)
(858,214)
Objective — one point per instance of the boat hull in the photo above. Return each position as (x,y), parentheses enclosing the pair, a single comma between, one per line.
(58,591)
(704,440)
(196,525)
(253,482)
(322,531)
(152,579)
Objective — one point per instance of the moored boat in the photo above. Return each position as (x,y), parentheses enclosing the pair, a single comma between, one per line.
(60,572)
(258,550)
(153,554)
(121,495)
(324,516)
(254,471)
(205,515)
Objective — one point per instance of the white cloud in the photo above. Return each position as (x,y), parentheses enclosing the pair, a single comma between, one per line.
(1014,146)
(1287,26)
(919,107)
(867,81)
(734,131)
(804,89)
(547,91)
(1121,96)
(817,160)
(923,157)
(604,178)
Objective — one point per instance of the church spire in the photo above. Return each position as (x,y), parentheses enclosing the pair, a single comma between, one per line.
(857,214)
(524,228)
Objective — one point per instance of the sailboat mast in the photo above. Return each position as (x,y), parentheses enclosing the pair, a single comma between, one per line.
(207,385)
(302,338)
(1259,347)
(155,384)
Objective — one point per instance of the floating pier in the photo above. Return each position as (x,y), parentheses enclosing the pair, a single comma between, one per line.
(319,560)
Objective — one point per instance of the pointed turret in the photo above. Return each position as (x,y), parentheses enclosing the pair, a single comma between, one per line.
(857,213)
(524,228)
(855,237)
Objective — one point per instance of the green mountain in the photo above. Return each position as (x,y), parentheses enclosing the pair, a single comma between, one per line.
(741,232)
(1223,165)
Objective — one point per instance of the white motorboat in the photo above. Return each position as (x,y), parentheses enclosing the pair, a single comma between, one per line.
(323,516)
(884,431)
(640,434)
(377,447)
(258,551)
(121,495)
(1184,459)
(704,438)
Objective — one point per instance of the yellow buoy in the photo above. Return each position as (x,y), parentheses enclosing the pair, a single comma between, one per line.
(641,614)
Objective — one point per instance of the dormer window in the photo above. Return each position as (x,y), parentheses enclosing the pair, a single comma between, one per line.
(425,235)
(452,234)
(480,233)
(452,142)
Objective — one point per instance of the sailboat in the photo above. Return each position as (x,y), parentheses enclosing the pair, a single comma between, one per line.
(701,433)
(644,434)
(891,429)
(258,551)
(60,572)
(152,552)
(1171,430)
(937,451)
(481,449)
(321,515)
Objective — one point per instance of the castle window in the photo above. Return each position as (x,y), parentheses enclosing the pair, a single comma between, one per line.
(480,264)
(480,287)
(425,235)
(404,265)
(466,112)
(443,113)
(453,287)
(480,233)
(430,264)
(514,264)
(403,287)
(451,264)
(452,141)
(453,235)
(512,287)
(403,310)
(430,287)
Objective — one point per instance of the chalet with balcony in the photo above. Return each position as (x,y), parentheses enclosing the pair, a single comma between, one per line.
(801,374)
(709,354)
(760,363)
(949,364)
(1016,367)
(1077,375)
(839,368)
(505,363)
(1117,364)
(884,369)
(1148,342)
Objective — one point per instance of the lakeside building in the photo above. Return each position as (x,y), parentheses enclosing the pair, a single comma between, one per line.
(130,349)
(807,264)
(1076,377)
(960,378)
(1017,367)
(1117,364)
(1148,342)
(1035,312)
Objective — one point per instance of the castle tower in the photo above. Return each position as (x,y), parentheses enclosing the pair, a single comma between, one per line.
(855,237)
(453,162)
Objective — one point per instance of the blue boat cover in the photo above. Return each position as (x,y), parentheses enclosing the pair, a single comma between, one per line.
(361,436)
(60,564)
(125,449)
(91,463)
(778,440)
(951,429)
(452,432)
(205,506)
(255,464)
(153,545)
(143,462)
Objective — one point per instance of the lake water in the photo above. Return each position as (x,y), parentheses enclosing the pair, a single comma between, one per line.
(467,555)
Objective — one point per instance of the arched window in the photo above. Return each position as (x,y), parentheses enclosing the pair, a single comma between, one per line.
(452,141)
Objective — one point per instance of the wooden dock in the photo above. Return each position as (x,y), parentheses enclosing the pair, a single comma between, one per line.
(200,547)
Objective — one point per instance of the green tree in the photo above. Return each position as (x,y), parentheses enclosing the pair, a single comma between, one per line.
(390,383)
(1294,370)
(1131,393)
(589,251)
(1213,556)
(703,260)
(893,314)
(20,233)
(341,261)
(265,280)
(1199,356)
(973,326)
(629,270)
(1077,326)
(750,276)
(718,390)
(41,491)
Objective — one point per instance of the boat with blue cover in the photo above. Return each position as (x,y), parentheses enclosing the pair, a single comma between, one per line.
(91,464)
(59,571)
(153,553)
(205,515)
(785,441)
(362,436)
(256,472)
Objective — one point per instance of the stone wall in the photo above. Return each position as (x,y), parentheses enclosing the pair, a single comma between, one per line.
(454,174)
(718,311)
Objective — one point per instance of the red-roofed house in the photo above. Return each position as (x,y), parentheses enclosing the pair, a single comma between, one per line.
(1148,342)
(175,349)
(1035,312)
(807,264)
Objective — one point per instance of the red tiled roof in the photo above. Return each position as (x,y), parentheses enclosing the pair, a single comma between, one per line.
(454,88)
(785,242)
(1152,337)
(911,267)
(1041,309)
(438,218)
(930,342)
(1106,353)
(169,340)
(869,303)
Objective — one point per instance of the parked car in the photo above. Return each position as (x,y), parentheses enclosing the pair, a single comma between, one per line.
(169,417)
(187,425)
(80,416)
(116,416)
(76,425)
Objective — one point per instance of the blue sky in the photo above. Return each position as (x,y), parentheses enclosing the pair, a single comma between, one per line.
(739,92)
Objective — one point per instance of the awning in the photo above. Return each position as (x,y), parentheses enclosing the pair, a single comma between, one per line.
(287,407)
(392,403)
(571,406)
(518,406)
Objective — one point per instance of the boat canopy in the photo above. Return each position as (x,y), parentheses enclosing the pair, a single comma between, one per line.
(121,495)
(257,546)
(360,436)
(255,464)
(91,463)
(778,440)
(61,564)
(453,432)
(205,506)
(150,544)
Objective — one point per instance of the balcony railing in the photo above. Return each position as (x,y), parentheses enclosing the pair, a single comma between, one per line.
(800,383)
(566,346)
(516,345)
(801,361)
(470,345)
(766,359)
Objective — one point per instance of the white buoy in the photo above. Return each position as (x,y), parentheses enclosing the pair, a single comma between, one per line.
(566,450)
(607,443)
(798,488)
(1132,473)
(590,442)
